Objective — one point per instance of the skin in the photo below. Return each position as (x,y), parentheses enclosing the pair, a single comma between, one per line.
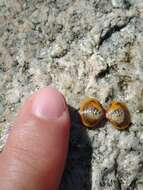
(36,149)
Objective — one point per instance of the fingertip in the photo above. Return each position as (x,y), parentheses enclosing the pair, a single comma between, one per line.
(46,105)
(49,104)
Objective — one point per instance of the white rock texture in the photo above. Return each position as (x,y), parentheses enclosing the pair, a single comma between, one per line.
(82,47)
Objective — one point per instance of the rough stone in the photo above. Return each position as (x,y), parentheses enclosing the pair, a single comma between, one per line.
(83,48)
(120,3)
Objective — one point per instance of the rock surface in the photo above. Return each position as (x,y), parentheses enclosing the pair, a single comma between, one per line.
(82,47)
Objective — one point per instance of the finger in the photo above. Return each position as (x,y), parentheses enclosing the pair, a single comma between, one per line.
(35,152)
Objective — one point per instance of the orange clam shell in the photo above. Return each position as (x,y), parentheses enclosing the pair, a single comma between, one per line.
(119,115)
(91,112)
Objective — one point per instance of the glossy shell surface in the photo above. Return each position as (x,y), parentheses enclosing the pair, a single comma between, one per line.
(91,112)
(118,114)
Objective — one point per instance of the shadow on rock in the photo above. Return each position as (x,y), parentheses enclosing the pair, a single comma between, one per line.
(77,174)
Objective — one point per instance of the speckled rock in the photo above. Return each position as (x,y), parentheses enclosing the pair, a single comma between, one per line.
(83,48)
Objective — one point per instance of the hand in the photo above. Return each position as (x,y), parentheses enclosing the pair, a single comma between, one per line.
(35,153)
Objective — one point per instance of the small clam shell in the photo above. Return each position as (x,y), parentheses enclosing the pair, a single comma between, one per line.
(91,112)
(118,114)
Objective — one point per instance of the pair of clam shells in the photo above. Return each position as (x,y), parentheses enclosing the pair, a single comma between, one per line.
(92,113)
